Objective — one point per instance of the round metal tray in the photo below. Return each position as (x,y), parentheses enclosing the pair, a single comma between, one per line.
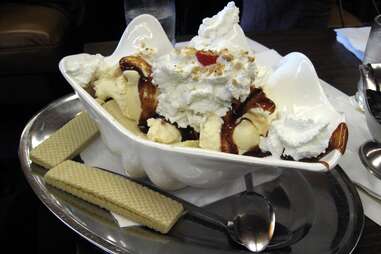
(323,208)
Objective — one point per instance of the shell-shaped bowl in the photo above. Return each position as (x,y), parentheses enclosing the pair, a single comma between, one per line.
(171,167)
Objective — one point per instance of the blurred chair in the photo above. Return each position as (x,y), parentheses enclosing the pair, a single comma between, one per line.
(339,17)
(34,35)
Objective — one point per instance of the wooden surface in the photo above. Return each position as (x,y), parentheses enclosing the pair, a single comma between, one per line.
(333,63)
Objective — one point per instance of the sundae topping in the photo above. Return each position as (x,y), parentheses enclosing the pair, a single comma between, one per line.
(147,53)
(109,82)
(221,31)
(83,68)
(210,133)
(227,141)
(307,119)
(246,136)
(190,90)
(219,24)
(162,132)
(250,117)
(206,57)
(147,91)
(136,63)
(300,137)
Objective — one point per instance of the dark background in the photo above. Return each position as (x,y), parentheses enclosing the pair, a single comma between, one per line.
(24,221)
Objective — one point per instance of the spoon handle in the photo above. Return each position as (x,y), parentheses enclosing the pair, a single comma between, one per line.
(199,213)
(249,183)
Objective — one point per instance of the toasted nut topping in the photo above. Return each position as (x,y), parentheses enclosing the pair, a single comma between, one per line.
(217,69)
(251,58)
(225,54)
(188,51)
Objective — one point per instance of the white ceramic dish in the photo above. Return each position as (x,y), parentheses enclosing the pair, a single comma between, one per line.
(172,167)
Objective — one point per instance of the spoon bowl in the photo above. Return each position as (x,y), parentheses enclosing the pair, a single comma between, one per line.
(254,227)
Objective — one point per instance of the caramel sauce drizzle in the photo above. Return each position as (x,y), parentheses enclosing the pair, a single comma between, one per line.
(147,91)
(339,138)
(256,99)
(148,100)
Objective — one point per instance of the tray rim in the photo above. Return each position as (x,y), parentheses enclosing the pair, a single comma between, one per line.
(105,245)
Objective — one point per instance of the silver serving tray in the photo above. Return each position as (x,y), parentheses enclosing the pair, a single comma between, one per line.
(322,210)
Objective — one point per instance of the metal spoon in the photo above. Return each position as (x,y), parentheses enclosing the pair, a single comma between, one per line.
(370,155)
(252,227)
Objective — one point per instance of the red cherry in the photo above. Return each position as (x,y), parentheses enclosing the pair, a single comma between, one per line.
(206,57)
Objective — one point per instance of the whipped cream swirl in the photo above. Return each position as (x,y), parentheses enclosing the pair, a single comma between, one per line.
(296,136)
(189,91)
(221,31)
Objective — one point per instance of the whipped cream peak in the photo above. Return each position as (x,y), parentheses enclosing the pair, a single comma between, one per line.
(221,23)
(221,31)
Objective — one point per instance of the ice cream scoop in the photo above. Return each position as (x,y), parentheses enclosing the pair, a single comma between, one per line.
(210,133)
(162,131)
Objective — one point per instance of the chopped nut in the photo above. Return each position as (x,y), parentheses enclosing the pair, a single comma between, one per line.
(238,66)
(188,51)
(217,69)
(196,70)
(225,54)
(244,53)
(251,58)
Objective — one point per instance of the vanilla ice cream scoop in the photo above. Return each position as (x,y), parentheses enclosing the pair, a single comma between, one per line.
(246,136)
(251,126)
(239,131)
(129,84)
(162,132)
(111,82)
(210,133)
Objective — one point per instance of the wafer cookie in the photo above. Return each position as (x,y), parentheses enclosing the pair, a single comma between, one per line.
(65,143)
(117,194)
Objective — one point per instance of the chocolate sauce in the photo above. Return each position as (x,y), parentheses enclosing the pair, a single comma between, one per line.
(188,133)
(90,90)
(257,152)
(339,139)
(256,99)
(227,128)
(147,91)
(148,101)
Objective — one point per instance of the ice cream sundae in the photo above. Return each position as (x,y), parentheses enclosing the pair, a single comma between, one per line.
(210,94)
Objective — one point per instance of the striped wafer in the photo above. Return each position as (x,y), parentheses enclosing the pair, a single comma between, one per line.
(65,143)
(117,194)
